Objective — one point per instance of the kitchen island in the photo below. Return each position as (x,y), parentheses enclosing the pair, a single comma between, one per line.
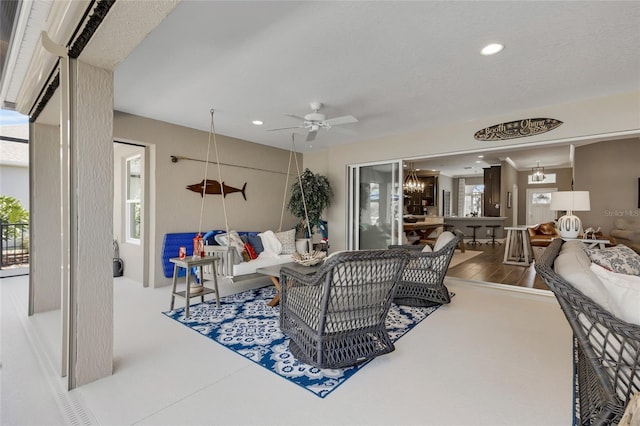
(461,223)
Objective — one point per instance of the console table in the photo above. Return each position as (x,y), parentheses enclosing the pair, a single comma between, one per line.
(517,250)
(189,262)
(600,242)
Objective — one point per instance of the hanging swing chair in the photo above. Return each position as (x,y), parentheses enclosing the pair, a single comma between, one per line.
(230,265)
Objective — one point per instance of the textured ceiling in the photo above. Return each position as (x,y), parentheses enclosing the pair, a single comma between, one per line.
(397,66)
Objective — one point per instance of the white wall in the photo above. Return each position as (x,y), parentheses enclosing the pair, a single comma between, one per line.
(176,209)
(587,119)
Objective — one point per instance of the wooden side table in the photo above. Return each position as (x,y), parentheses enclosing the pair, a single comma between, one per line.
(189,262)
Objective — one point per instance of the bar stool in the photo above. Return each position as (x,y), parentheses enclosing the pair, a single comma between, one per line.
(493,241)
(473,242)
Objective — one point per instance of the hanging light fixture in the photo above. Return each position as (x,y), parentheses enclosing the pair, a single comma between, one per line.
(411,182)
(537,173)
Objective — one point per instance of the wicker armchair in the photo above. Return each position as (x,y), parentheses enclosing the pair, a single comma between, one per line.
(422,282)
(608,352)
(336,317)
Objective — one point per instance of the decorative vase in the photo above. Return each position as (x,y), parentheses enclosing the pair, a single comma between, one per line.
(302,245)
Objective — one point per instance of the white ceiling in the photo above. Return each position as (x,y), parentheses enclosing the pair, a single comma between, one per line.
(399,67)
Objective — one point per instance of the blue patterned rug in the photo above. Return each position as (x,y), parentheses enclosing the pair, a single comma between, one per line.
(245,324)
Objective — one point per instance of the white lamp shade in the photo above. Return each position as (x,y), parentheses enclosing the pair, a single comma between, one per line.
(570,201)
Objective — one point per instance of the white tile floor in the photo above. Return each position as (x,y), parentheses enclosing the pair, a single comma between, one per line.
(493,356)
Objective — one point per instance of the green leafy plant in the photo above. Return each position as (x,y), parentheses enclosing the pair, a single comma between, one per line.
(11,211)
(317,194)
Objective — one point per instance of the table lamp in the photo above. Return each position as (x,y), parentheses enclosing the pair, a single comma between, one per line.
(569,225)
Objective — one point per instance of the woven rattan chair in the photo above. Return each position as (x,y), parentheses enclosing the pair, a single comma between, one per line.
(608,352)
(422,282)
(336,317)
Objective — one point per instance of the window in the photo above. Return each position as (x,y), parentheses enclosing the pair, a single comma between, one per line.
(133,195)
(473,197)
(548,178)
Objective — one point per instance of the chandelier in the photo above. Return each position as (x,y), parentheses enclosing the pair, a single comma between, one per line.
(411,182)
(537,173)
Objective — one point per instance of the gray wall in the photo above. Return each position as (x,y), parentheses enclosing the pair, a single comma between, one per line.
(508,178)
(619,113)
(176,209)
(610,172)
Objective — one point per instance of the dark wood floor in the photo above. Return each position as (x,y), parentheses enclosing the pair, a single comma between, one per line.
(489,267)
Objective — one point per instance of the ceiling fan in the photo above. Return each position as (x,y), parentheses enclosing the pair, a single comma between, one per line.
(316,121)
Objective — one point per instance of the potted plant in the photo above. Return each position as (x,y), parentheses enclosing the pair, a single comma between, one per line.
(317,196)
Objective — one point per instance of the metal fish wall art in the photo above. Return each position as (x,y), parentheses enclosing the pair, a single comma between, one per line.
(214,187)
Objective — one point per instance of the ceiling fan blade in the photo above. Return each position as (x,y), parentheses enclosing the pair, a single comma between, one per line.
(297,117)
(311,135)
(346,119)
(342,130)
(286,128)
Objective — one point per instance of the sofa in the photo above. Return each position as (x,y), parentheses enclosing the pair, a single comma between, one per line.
(626,230)
(540,236)
(599,293)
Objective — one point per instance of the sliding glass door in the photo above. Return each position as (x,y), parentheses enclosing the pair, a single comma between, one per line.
(375,205)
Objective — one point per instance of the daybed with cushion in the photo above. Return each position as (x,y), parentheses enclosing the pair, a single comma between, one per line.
(240,255)
(422,282)
(602,306)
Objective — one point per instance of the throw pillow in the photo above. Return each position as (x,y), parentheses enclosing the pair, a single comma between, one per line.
(222,239)
(624,293)
(256,243)
(443,240)
(271,243)
(620,259)
(547,229)
(232,240)
(288,240)
(427,249)
(249,249)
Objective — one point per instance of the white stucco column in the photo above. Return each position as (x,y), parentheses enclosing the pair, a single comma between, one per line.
(91,200)
(44,185)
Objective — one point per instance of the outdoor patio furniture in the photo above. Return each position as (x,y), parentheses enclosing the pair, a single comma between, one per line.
(336,317)
(422,282)
(608,348)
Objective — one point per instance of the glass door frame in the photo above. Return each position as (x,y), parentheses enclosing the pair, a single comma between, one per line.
(353,204)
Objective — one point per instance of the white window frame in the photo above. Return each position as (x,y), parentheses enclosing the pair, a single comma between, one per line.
(130,203)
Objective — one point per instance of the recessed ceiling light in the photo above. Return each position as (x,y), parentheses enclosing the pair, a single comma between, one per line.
(257,122)
(480,156)
(492,49)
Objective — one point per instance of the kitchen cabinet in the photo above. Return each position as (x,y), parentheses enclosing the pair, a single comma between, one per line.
(417,202)
(491,204)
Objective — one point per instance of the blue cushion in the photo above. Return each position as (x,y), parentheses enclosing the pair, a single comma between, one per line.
(170,248)
(256,243)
